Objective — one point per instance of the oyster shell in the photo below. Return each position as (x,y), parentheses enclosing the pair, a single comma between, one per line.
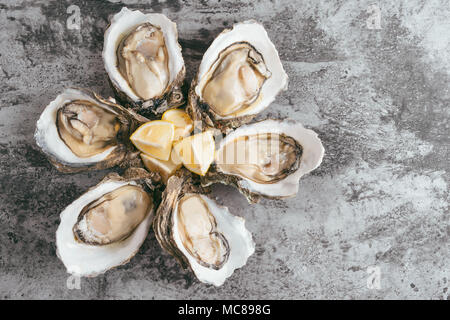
(80,131)
(199,233)
(143,60)
(239,76)
(266,159)
(102,229)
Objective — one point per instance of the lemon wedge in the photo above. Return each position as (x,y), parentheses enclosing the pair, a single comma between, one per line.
(181,120)
(175,158)
(155,138)
(196,152)
(164,168)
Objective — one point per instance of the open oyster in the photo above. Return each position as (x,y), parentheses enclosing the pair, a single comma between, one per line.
(143,60)
(266,158)
(113,216)
(79,131)
(239,76)
(202,235)
(105,227)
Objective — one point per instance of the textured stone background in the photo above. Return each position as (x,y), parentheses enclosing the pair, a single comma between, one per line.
(378,98)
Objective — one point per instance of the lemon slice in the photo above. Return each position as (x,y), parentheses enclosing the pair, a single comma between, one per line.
(155,139)
(164,168)
(175,158)
(196,152)
(181,120)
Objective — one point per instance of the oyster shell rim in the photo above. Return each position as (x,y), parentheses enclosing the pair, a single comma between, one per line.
(109,183)
(172,95)
(195,100)
(47,137)
(163,225)
(252,190)
(236,225)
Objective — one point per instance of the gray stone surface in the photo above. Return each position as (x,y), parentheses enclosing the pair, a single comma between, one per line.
(378,98)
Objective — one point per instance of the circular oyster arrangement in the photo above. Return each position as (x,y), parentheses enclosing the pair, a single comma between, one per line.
(170,160)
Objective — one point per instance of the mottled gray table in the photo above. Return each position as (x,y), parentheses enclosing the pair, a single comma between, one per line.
(378,95)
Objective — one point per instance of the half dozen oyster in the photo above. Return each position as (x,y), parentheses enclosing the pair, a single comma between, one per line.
(170,160)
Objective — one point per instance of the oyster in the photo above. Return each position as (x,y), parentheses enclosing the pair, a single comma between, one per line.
(105,227)
(113,216)
(262,158)
(80,131)
(143,60)
(196,231)
(239,76)
(202,235)
(86,128)
(234,83)
(266,158)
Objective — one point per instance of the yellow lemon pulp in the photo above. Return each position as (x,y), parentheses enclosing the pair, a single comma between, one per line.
(181,120)
(164,168)
(155,138)
(196,152)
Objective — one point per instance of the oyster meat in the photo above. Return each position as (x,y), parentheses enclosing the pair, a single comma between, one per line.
(233,83)
(86,128)
(196,230)
(262,158)
(105,227)
(80,131)
(201,234)
(266,158)
(239,76)
(113,216)
(143,60)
